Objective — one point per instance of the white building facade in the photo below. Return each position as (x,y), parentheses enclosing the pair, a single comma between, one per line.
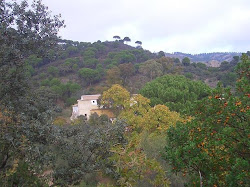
(84,106)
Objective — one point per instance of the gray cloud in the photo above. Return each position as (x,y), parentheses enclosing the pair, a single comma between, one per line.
(171,25)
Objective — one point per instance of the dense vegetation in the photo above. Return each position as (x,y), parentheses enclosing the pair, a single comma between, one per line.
(78,66)
(179,131)
(213,148)
(176,92)
(205,57)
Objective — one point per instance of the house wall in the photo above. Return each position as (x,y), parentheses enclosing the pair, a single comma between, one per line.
(94,102)
(75,112)
(75,109)
(84,107)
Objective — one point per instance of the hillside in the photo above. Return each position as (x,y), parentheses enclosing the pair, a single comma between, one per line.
(177,131)
(205,57)
(76,68)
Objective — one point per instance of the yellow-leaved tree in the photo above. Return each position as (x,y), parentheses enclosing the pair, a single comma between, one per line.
(135,110)
(160,118)
(115,98)
(133,162)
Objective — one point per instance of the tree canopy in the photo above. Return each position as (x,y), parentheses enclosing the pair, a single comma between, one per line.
(117,37)
(24,30)
(186,61)
(126,39)
(151,68)
(176,92)
(213,148)
(203,134)
(132,164)
(116,97)
(138,42)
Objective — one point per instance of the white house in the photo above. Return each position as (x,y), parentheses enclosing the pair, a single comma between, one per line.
(88,105)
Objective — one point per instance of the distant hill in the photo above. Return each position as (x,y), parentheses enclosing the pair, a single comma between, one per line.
(76,68)
(205,57)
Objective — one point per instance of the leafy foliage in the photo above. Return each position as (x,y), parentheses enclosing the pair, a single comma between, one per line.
(34,141)
(115,98)
(24,121)
(113,76)
(214,147)
(127,70)
(126,39)
(83,149)
(151,69)
(186,61)
(176,92)
(138,42)
(117,37)
(89,75)
(63,91)
(121,57)
(133,166)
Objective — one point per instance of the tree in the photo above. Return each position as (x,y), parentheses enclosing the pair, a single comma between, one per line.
(161,54)
(101,49)
(201,65)
(127,70)
(135,111)
(126,39)
(141,55)
(177,61)
(213,148)
(52,70)
(89,53)
(133,165)
(236,58)
(113,76)
(117,37)
(23,31)
(189,75)
(151,68)
(121,57)
(228,79)
(186,61)
(91,62)
(84,149)
(176,92)
(89,75)
(34,60)
(69,88)
(115,98)
(167,64)
(139,43)
(160,118)
(71,50)
(34,32)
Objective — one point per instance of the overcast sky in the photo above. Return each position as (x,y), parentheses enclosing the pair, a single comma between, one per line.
(192,26)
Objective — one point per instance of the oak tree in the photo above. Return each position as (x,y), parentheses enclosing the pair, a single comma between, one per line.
(25,130)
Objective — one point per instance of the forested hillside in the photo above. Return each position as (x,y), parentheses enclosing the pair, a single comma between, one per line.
(177,123)
(76,68)
(205,57)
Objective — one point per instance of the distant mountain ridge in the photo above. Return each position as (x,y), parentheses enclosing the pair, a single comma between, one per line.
(205,57)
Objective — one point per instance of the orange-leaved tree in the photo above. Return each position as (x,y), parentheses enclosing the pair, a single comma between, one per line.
(213,148)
